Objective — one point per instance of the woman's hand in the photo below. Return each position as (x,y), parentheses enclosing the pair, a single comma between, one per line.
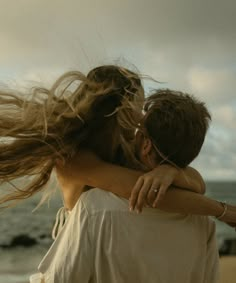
(151,187)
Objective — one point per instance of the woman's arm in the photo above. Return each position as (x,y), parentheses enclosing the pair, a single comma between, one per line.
(186,202)
(89,169)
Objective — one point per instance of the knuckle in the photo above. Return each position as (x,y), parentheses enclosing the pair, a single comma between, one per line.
(146,180)
(165,183)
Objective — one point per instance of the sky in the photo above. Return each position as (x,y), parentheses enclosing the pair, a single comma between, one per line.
(186,44)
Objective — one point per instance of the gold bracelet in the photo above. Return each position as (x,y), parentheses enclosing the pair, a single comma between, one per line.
(224,212)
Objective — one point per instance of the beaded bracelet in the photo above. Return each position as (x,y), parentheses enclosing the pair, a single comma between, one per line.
(224,212)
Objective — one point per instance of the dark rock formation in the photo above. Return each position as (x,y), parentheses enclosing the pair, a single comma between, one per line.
(43,236)
(228,247)
(21,240)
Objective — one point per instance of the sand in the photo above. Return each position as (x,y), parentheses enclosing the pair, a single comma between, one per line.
(228,269)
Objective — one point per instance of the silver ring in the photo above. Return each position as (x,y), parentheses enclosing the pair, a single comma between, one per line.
(155,190)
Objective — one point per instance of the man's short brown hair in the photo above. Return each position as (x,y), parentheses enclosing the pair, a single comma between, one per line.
(177,124)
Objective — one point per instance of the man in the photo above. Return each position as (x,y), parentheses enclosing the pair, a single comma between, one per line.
(103,241)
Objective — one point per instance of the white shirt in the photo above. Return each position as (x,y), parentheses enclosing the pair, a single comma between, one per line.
(103,242)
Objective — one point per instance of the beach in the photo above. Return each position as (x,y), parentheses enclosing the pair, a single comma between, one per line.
(228,269)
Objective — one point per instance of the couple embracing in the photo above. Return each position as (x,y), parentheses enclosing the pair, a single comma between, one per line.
(134,211)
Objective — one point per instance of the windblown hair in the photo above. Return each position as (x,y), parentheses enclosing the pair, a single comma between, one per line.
(177,124)
(98,112)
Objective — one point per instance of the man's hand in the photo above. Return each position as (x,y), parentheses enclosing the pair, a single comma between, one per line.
(151,187)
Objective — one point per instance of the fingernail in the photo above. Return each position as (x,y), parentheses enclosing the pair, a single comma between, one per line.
(138,211)
(131,208)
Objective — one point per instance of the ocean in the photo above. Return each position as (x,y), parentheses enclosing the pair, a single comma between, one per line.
(18,263)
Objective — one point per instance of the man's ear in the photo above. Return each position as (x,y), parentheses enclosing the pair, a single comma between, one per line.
(146,147)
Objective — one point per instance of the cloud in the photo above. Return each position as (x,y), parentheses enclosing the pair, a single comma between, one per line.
(215,85)
(225,116)
(188,44)
(217,159)
(183,27)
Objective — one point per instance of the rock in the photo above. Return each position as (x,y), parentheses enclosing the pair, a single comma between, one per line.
(22,240)
(228,247)
(233,247)
(43,236)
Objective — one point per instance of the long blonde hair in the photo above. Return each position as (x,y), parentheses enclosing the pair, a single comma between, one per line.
(99,112)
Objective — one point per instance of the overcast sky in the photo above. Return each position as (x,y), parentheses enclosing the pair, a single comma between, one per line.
(189,44)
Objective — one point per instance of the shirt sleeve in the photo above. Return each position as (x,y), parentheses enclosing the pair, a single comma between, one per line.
(70,257)
(212,255)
